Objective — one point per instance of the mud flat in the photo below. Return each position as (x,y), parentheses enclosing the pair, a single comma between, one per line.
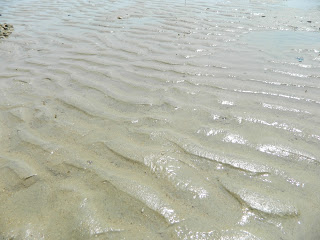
(160,120)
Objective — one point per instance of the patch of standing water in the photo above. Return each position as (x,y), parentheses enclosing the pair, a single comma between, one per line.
(305,4)
(284,44)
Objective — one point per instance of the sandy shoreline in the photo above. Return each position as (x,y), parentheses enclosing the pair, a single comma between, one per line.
(160,120)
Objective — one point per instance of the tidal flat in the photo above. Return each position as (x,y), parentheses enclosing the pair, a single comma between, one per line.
(160,119)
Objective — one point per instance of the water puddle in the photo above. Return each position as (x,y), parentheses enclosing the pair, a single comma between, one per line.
(284,43)
(305,4)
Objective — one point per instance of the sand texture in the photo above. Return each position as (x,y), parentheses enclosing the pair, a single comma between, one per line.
(160,120)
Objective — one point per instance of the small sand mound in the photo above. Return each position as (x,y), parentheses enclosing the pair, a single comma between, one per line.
(5,30)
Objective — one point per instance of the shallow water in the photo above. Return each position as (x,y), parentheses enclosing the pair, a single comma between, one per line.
(306,5)
(159,120)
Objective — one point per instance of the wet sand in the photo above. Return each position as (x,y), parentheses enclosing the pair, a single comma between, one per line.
(160,120)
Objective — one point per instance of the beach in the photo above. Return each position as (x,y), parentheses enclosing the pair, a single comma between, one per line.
(160,119)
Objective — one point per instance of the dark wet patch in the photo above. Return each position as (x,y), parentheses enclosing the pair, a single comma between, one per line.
(5,30)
